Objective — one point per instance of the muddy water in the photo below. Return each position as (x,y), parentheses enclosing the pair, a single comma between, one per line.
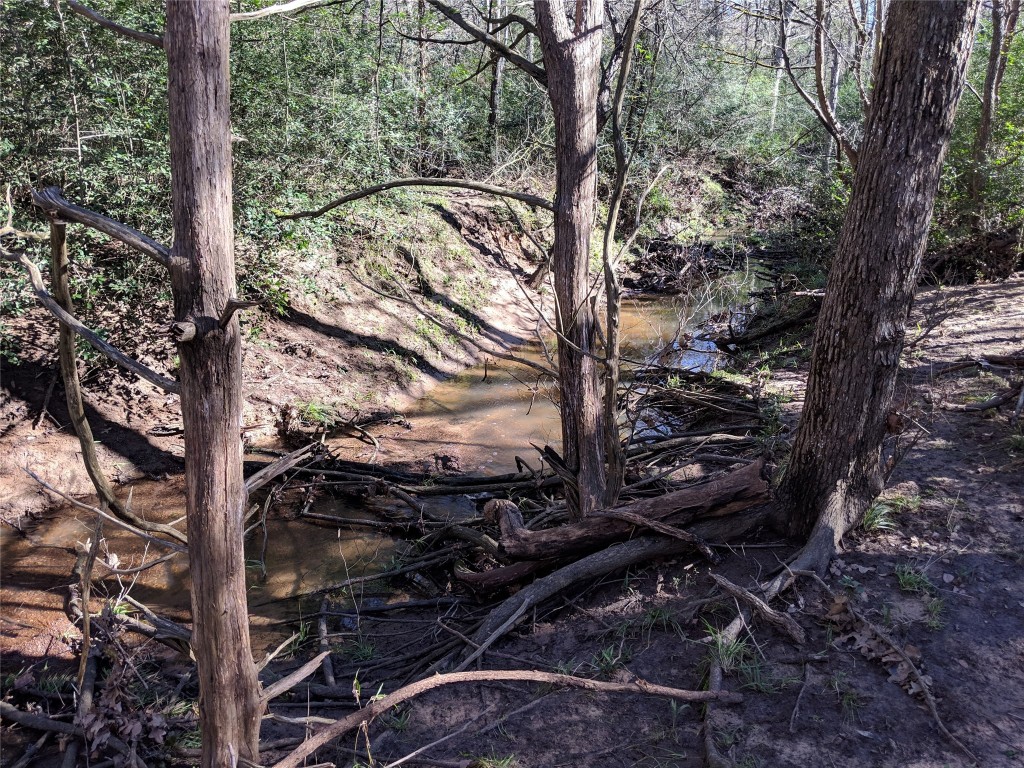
(489,414)
(479,421)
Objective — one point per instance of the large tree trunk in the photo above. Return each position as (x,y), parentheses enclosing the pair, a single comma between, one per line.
(835,469)
(203,280)
(571,44)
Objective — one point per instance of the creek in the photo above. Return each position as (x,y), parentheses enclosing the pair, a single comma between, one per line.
(476,422)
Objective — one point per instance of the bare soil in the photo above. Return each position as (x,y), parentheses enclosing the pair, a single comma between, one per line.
(941,575)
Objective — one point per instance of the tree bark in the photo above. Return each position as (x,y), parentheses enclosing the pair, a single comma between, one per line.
(571,46)
(203,280)
(835,468)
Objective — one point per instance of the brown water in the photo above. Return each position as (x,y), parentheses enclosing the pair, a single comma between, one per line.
(489,414)
(481,419)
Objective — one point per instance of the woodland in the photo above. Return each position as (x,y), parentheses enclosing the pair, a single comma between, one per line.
(254,513)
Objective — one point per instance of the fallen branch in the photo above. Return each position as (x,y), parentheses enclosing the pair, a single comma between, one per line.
(43,723)
(384,704)
(285,684)
(734,492)
(786,623)
(277,468)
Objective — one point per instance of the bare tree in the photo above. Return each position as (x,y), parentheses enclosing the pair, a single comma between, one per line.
(835,469)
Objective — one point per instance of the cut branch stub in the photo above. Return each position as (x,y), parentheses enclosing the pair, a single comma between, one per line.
(183,331)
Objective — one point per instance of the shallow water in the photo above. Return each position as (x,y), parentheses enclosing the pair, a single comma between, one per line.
(481,420)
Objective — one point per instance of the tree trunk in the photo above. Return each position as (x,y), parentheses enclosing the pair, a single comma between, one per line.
(835,469)
(572,58)
(203,280)
(1004,22)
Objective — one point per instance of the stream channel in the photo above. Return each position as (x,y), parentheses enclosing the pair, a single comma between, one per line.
(476,422)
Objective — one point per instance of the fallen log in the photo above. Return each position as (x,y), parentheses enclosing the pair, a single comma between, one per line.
(732,493)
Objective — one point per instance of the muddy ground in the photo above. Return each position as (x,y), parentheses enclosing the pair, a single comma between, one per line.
(940,575)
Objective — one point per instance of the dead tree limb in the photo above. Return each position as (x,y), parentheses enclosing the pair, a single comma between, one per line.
(113,26)
(731,493)
(384,704)
(73,391)
(42,723)
(52,201)
(273,10)
(786,623)
(109,518)
(491,189)
(494,43)
(95,340)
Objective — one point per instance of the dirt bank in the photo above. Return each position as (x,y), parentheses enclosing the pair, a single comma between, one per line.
(339,351)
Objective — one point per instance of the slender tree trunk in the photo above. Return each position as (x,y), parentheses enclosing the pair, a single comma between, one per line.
(785,13)
(1004,22)
(571,45)
(835,468)
(833,101)
(203,280)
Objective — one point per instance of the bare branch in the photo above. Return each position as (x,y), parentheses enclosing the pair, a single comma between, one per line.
(285,684)
(103,21)
(273,10)
(109,518)
(94,339)
(475,186)
(52,201)
(533,70)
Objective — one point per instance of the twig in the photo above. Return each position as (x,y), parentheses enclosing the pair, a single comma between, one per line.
(799,698)
(438,742)
(32,750)
(379,706)
(665,529)
(324,645)
(483,646)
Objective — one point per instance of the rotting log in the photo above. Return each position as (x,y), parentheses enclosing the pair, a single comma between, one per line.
(734,492)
